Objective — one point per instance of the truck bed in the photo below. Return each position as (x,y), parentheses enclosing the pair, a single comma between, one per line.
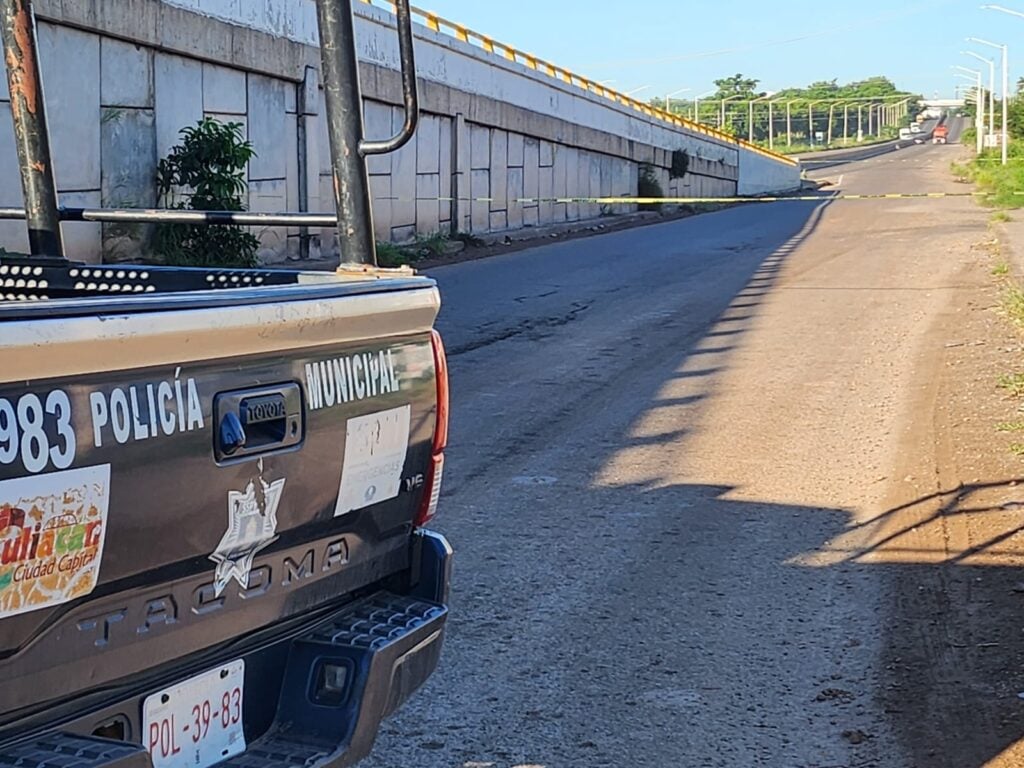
(140,541)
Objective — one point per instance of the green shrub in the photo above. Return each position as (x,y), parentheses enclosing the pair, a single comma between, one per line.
(206,172)
(648,186)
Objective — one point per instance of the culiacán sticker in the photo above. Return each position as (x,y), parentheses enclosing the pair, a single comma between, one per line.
(52,529)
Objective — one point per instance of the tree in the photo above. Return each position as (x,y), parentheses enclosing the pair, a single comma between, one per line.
(206,172)
(737,85)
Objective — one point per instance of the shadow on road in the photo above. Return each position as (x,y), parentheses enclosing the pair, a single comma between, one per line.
(609,608)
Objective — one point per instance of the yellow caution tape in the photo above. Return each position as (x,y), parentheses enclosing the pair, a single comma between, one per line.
(692,200)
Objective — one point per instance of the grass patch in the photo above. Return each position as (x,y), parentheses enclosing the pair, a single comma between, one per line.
(1002,185)
(1000,217)
(1010,426)
(1013,383)
(424,247)
(1001,269)
(1017,449)
(1013,304)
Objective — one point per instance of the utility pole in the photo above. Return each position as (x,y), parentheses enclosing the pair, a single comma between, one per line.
(846,124)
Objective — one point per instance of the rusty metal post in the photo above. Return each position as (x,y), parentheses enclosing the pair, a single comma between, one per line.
(345,129)
(28,109)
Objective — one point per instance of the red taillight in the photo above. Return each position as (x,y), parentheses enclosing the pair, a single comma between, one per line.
(432,486)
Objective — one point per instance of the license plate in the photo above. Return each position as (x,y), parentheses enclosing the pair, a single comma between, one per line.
(197,723)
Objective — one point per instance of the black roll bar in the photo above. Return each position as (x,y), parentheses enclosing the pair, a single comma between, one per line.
(349,147)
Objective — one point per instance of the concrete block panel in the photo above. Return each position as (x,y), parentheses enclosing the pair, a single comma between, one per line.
(547,191)
(179,98)
(499,169)
(292,168)
(82,241)
(403,186)
(128,180)
(268,127)
(428,186)
(531,171)
(13,234)
(498,221)
(405,234)
(515,191)
(126,74)
(70,62)
(380,197)
(515,150)
(479,148)
(428,145)
(377,121)
(574,179)
(547,154)
(224,90)
(480,220)
(445,207)
(531,217)
(269,196)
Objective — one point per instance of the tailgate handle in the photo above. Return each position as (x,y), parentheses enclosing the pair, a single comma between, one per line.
(255,422)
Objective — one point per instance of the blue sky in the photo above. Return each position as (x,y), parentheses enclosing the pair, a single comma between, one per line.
(673,44)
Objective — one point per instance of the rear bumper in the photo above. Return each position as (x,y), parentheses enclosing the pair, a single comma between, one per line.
(388,643)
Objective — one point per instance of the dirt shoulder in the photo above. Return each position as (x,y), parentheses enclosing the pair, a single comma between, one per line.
(954,523)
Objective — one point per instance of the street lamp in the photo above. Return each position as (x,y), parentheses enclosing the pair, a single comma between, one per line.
(696,103)
(991,88)
(636,90)
(979,118)
(1006,87)
(810,120)
(750,117)
(721,123)
(668,99)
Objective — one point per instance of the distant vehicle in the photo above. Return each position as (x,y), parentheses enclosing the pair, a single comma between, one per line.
(940,134)
(905,133)
(915,128)
(920,117)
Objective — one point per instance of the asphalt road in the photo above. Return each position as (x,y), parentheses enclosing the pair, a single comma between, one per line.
(676,451)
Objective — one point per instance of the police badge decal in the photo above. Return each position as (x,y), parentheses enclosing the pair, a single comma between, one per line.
(252,526)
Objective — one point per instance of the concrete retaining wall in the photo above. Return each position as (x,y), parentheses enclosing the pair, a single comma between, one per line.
(123,77)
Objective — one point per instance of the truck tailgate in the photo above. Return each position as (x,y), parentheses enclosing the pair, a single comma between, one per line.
(139,526)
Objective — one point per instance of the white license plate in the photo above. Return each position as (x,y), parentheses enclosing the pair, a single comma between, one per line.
(197,723)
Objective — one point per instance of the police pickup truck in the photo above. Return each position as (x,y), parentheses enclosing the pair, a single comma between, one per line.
(214,483)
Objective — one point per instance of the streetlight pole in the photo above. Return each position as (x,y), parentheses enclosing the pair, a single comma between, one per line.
(789,122)
(668,99)
(721,123)
(696,104)
(750,118)
(1006,87)
(991,88)
(979,116)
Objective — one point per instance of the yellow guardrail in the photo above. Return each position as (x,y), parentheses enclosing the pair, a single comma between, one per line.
(488,44)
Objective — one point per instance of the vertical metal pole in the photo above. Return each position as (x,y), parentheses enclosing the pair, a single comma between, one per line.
(810,123)
(846,124)
(979,121)
(991,97)
(1006,95)
(345,129)
(31,136)
(771,125)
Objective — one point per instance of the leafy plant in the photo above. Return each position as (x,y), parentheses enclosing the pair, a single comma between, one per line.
(680,164)
(648,186)
(206,172)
